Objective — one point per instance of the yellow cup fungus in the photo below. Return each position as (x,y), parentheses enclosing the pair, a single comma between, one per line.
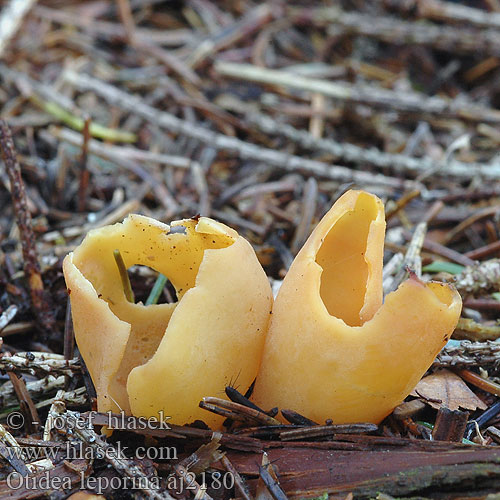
(336,350)
(162,359)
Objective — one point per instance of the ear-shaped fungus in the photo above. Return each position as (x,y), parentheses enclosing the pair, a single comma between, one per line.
(166,357)
(333,349)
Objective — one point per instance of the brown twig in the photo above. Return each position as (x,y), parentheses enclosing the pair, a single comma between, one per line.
(11,19)
(469,354)
(238,480)
(397,31)
(485,251)
(325,430)
(39,362)
(32,419)
(236,411)
(360,94)
(483,304)
(244,149)
(478,381)
(84,172)
(40,301)
(296,418)
(399,163)
(270,481)
(7,316)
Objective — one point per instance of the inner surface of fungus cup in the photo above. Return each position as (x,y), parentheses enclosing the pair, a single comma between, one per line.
(145,360)
(334,349)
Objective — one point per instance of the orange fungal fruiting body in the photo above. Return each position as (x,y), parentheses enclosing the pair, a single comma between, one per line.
(333,349)
(166,357)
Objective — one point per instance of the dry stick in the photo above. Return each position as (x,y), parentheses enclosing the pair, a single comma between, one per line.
(390,269)
(401,203)
(326,430)
(228,36)
(111,152)
(397,31)
(61,106)
(69,339)
(12,452)
(297,419)
(36,388)
(124,466)
(11,19)
(124,277)
(412,260)
(127,19)
(167,58)
(475,217)
(33,363)
(199,182)
(448,253)
(127,157)
(40,301)
(17,328)
(237,411)
(469,354)
(245,150)
(69,334)
(84,173)
(32,420)
(191,484)
(238,481)
(56,409)
(399,163)
(453,12)
(13,458)
(103,29)
(360,94)
(478,381)
(7,316)
(271,484)
(308,208)
(317,122)
(433,211)
(479,253)
(483,304)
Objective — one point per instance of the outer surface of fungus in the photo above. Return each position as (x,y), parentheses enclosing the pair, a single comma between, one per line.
(166,357)
(333,349)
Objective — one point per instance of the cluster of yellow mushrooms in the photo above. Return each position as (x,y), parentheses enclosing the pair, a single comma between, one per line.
(329,347)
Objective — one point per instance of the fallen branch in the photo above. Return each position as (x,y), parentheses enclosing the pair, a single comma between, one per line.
(11,19)
(40,362)
(40,301)
(244,150)
(468,354)
(361,94)
(398,163)
(397,31)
